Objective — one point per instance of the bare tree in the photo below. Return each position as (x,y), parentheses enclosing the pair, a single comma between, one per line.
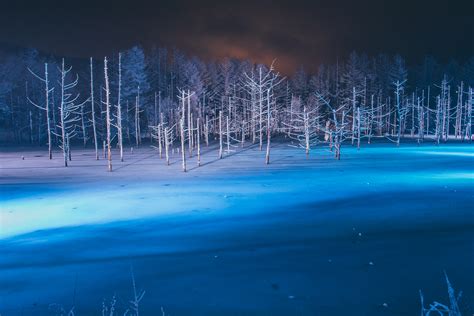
(94,128)
(83,126)
(303,127)
(264,84)
(470,101)
(45,108)
(107,115)
(459,111)
(184,98)
(167,145)
(401,107)
(118,116)
(137,118)
(198,139)
(183,152)
(68,111)
(337,126)
(220,135)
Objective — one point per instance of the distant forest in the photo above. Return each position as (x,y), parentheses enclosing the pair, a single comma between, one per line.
(48,100)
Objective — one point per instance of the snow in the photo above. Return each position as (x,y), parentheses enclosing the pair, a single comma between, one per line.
(236,236)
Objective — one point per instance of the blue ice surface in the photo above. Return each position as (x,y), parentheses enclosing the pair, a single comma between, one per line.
(303,237)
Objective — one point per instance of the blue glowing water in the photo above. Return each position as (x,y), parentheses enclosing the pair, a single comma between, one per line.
(300,237)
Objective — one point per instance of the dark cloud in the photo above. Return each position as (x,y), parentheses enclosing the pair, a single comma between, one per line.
(295,32)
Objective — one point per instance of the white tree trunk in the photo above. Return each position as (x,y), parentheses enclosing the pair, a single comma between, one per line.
(206,131)
(48,122)
(119,108)
(160,150)
(167,145)
(190,130)
(94,127)
(227,134)
(358,128)
(62,113)
(107,115)
(220,134)
(137,118)
(306,131)
(243,134)
(353,115)
(269,113)
(198,139)
(183,150)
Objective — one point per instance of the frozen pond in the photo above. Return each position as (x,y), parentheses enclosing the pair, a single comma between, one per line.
(301,236)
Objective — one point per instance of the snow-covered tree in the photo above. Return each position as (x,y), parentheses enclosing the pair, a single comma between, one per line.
(68,110)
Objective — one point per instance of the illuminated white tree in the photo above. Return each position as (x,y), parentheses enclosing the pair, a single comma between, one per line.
(45,108)
(68,111)
(93,120)
(108,116)
(303,127)
(261,89)
(337,127)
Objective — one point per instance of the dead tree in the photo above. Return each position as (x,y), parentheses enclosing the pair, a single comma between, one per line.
(160,149)
(183,152)
(468,128)
(206,131)
(83,125)
(157,134)
(337,126)
(303,127)
(263,85)
(220,135)
(421,120)
(94,128)
(118,116)
(45,108)
(269,127)
(445,103)
(185,100)
(459,112)
(366,119)
(401,108)
(107,116)
(198,140)
(355,116)
(190,128)
(439,119)
(256,88)
(167,145)
(68,111)
(137,118)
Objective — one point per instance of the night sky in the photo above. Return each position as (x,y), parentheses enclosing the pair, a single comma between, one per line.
(295,32)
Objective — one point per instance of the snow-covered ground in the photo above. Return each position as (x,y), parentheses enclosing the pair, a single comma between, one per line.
(300,236)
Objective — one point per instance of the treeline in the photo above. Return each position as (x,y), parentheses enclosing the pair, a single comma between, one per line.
(139,94)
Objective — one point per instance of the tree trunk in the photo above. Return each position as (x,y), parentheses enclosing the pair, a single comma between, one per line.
(269,114)
(119,108)
(137,118)
(62,113)
(94,128)
(48,122)
(206,131)
(220,134)
(167,145)
(198,140)
(183,151)
(107,116)
(227,134)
